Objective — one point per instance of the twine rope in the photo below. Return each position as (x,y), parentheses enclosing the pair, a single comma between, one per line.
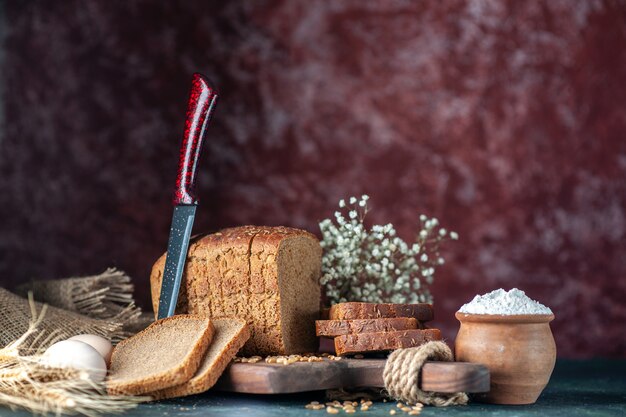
(402,375)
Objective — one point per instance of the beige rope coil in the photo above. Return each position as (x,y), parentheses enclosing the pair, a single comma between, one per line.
(402,373)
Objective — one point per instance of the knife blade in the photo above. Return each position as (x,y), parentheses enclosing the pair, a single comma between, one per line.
(202,100)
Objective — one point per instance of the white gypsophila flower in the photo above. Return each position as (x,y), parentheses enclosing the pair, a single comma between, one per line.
(375,265)
(454,236)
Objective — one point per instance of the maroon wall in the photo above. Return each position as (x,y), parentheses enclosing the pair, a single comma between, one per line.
(505,120)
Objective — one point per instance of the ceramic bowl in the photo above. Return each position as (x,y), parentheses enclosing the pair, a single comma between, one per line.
(518,350)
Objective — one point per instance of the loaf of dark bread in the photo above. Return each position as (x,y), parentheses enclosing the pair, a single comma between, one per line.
(268,276)
(354,310)
(383,341)
(332,328)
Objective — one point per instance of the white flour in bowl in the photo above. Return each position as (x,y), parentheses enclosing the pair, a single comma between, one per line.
(506,303)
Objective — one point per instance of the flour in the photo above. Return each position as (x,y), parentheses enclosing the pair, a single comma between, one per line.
(505,303)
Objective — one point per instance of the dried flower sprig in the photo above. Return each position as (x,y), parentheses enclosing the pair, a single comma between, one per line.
(376,265)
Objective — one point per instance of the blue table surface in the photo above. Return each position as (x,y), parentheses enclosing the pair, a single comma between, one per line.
(577,388)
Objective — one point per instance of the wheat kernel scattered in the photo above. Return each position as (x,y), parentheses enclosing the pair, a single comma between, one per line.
(414,413)
(392,412)
(365,407)
(331,410)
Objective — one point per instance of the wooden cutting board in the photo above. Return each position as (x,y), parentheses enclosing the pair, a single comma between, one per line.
(264,378)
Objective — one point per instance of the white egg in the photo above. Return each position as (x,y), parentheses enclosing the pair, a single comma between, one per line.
(99,343)
(77,355)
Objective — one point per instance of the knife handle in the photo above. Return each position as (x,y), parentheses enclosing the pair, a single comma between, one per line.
(201,103)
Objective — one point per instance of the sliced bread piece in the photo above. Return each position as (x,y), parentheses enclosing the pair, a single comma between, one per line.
(165,354)
(230,336)
(353,310)
(383,341)
(332,328)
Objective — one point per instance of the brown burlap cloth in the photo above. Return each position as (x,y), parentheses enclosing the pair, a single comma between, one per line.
(402,373)
(100,304)
(108,295)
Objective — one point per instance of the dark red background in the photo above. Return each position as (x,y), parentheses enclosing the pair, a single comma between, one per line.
(506,120)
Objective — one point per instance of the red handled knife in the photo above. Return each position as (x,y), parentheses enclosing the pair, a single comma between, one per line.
(201,103)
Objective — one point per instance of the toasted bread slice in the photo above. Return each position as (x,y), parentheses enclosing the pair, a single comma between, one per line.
(332,328)
(165,354)
(230,336)
(383,341)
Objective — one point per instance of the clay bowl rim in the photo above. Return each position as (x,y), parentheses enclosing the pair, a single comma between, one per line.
(501,318)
